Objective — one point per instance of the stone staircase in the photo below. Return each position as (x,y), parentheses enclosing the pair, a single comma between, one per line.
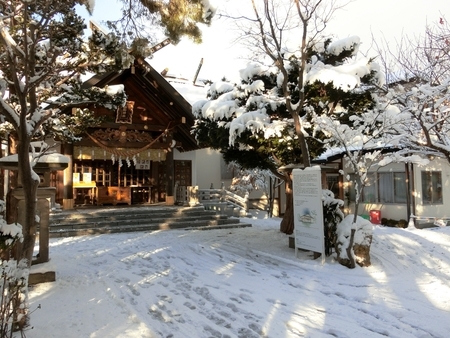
(92,221)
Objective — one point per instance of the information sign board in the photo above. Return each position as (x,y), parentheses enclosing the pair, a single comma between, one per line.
(308,210)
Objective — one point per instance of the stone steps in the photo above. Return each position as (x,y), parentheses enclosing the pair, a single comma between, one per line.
(79,222)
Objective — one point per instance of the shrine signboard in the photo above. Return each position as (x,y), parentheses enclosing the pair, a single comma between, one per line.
(308,210)
(142,164)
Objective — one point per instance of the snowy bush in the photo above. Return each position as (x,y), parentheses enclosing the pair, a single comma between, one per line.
(359,250)
(14,280)
(332,216)
(247,180)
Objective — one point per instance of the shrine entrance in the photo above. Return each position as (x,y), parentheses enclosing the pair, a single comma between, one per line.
(128,157)
(104,182)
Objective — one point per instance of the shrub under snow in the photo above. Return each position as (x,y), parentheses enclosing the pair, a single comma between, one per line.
(360,249)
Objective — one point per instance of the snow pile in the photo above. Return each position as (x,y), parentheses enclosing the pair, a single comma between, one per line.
(364,230)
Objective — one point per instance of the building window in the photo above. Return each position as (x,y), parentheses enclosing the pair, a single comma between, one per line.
(369,194)
(392,187)
(431,187)
(384,187)
(400,188)
(333,184)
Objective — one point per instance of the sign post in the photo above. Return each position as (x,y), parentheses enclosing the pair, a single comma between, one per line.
(308,210)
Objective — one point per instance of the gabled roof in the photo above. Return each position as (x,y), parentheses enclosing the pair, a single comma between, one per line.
(153,94)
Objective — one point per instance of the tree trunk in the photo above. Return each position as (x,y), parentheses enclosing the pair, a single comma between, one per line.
(287,224)
(29,184)
(349,249)
(352,263)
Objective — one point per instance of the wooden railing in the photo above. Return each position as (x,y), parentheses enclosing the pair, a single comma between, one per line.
(192,196)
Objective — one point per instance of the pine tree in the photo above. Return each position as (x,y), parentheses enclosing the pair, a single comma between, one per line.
(142,20)
(251,124)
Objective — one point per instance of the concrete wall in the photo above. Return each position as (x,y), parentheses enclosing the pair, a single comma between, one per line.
(206,167)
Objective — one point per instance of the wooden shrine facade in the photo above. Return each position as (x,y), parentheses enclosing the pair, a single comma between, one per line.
(128,158)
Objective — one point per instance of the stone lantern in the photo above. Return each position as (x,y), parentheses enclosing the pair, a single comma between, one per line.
(46,163)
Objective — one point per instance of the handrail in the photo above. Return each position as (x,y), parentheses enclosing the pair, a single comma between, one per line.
(222,195)
(237,200)
(188,195)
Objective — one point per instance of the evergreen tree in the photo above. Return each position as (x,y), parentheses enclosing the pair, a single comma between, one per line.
(142,20)
(251,124)
(287,34)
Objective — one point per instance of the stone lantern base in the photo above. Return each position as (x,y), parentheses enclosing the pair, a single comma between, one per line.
(44,197)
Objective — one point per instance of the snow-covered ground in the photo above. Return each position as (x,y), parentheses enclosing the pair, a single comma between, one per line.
(242,283)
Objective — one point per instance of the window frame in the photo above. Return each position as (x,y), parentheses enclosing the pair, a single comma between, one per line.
(372,193)
(435,196)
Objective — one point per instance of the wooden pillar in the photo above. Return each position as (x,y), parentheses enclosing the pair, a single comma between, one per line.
(3,184)
(11,182)
(408,192)
(170,196)
(154,190)
(341,182)
(324,180)
(68,200)
(13,174)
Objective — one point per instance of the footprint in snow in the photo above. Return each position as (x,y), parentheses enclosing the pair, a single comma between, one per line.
(246,298)
(190,306)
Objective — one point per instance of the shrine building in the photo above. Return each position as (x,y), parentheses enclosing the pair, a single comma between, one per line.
(128,158)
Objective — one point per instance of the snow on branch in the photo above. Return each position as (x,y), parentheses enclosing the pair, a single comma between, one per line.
(345,77)
(351,43)
(254,122)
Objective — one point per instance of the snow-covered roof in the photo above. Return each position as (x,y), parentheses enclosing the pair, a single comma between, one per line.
(48,161)
(190,92)
(335,153)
